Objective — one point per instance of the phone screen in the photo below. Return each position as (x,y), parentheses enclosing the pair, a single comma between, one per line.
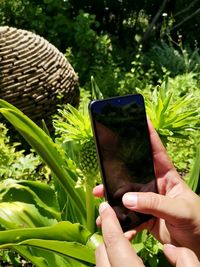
(124,150)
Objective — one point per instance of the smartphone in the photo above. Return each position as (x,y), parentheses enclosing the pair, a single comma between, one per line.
(124,150)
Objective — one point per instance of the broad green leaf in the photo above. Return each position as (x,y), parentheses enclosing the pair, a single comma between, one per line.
(29,254)
(45,258)
(95,240)
(48,151)
(37,193)
(21,215)
(70,249)
(62,231)
(64,238)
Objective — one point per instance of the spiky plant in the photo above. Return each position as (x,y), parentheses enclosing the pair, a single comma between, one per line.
(73,131)
(171,116)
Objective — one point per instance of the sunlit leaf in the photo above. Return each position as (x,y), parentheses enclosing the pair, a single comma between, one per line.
(62,231)
(48,151)
(21,215)
(64,238)
(37,193)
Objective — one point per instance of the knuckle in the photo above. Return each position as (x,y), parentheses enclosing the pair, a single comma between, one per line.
(151,201)
(186,252)
(111,240)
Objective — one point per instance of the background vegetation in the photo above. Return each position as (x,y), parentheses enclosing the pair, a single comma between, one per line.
(127,46)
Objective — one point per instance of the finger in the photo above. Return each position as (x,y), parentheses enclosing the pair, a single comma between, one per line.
(101,257)
(98,221)
(181,257)
(158,205)
(162,162)
(130,234)
(98,191)
(118,248)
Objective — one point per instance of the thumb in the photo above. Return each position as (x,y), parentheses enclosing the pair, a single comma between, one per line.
(181,257)
(159,206)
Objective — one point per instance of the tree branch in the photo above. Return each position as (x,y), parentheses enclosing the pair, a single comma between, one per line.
(153,22)
(186,9)
(186,19)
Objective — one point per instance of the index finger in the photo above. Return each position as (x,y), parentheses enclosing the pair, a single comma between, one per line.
(118,248)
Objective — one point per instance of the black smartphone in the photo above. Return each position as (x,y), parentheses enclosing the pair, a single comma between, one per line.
(124,150)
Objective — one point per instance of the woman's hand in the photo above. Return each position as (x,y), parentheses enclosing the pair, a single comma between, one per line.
(181,257)
(117,250)
(176,208)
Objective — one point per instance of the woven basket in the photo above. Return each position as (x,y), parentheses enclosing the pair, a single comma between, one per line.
(34,75)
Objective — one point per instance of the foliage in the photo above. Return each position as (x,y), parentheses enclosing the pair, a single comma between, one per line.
(136,77)
(92,54)
(123,19)
(149,253)
(171,116)
(15,163)
(194,177)
(46,208)
(127,47)
(72,131)
(74,134)
(174,57)
(103,40)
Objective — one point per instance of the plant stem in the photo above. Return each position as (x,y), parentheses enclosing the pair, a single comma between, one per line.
(90,208)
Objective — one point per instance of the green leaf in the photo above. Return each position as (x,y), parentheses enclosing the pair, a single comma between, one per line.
(95,240)
(96,93)
(48,151)
(159,108)
(195,172)
(44,258)
(37,193)
(138,247)
(30,254)
(72,125)
(20,215)
(63,238)
(62,231)
(70,249)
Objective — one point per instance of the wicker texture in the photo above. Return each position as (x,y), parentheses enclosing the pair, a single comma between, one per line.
(33,74)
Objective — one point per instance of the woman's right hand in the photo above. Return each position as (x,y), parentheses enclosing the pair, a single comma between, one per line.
(176,208)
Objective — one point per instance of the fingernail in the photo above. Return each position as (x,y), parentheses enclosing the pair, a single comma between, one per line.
(130,199)
(103,206)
